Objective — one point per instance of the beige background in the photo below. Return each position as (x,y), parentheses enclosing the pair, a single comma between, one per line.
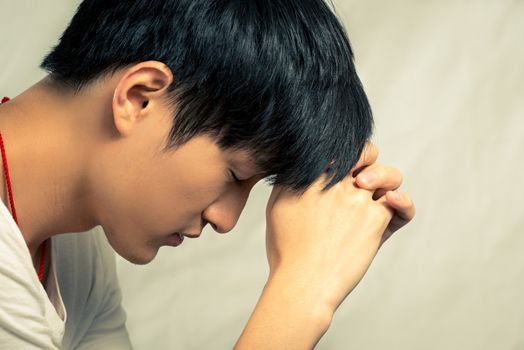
(445,79)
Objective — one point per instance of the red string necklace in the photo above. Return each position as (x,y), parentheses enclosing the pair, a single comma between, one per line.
(12,203)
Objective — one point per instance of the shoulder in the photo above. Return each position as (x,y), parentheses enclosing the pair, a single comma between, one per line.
(26,314)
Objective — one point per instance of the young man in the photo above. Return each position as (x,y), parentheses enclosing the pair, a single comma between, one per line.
(157,118)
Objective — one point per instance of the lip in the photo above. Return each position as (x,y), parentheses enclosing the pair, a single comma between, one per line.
(189,235)
(175,239)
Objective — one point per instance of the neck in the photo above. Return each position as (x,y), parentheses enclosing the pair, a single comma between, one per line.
(47,152)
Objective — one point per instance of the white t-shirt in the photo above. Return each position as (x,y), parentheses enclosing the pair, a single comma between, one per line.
(82,307)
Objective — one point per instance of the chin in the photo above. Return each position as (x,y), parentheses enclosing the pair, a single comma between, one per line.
(140,259)
(136,252)
(137,256)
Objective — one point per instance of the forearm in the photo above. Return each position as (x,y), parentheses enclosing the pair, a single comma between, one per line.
(289,315)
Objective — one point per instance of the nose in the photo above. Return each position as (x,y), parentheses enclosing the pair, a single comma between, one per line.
(223,214)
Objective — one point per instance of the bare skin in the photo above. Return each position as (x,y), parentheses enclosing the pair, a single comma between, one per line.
(319,246)
(94,158)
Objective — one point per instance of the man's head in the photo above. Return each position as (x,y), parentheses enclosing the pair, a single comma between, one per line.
(199,87)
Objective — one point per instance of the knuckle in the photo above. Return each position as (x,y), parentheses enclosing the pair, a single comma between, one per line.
(410,204)
(397,174)
(393,174)
(391,177)
(408,207)
(372,152)
(371,148)
(406,200)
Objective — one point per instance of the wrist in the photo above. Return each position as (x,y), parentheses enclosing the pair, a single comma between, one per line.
(304,293)
(288,315)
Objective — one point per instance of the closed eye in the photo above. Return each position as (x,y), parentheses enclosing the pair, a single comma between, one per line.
(233,176)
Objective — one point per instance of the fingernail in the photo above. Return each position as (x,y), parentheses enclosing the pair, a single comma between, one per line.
(367,178)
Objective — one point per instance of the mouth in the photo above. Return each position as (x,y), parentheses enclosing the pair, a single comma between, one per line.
(189,235)
(175,239)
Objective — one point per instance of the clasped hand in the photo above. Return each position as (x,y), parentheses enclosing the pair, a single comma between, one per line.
(325,241)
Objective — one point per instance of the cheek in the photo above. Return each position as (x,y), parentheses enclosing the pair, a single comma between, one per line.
(142,198)
(176,198)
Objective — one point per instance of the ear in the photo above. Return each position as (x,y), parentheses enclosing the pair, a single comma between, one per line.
(139,90)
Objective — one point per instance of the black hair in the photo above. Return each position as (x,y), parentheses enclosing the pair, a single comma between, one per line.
(274,77)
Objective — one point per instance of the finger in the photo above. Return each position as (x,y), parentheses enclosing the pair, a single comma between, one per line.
(402,203)
(379,177)
(368,156)
(404,211)
(387,208)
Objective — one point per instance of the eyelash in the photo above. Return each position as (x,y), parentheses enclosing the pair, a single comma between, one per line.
(233,176)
